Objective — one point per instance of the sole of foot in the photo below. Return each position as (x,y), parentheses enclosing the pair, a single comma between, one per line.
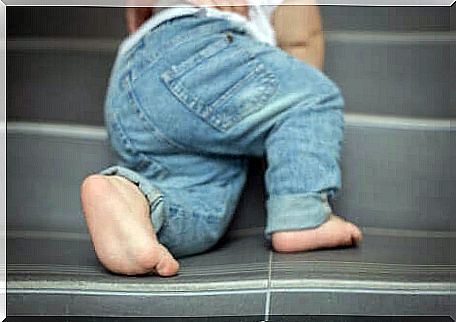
(118,220)
(336,232)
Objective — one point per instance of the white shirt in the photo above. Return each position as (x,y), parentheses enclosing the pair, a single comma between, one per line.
(258,25)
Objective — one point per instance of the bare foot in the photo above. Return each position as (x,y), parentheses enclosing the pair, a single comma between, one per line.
(118,218)
(335,232)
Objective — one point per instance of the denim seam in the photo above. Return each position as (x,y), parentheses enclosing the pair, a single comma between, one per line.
(138,109)
(159,171)
(155,203)
(146,62)
(117,126)
(180,213)
(130,147)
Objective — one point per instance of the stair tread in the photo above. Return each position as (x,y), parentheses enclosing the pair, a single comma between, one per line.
(73,264)
(421,262)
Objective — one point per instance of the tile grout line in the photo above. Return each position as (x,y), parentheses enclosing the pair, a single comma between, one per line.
(267,307)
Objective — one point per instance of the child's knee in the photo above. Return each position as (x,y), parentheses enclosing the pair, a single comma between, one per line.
(192,235)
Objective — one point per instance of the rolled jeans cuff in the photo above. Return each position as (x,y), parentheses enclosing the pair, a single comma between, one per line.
(296,212)
(152,194)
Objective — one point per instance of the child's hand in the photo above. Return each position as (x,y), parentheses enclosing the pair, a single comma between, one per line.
(236,6)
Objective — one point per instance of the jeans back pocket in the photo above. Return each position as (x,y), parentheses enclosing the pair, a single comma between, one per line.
(222,82)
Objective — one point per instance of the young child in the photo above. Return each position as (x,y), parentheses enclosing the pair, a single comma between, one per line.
(193,93)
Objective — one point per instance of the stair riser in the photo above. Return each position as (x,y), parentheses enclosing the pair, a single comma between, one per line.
(393,178)
(292,303)
(109,22)
(377,76)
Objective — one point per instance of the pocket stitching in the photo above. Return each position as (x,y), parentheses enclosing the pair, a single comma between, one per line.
(267,79)
(203,109)
(170,77)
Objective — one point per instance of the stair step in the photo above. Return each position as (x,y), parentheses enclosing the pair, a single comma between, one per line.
(48,275)
(58,86)
(397,173)
(399,182)
(388,18)
(407,75)
(399,177)
(66,21)
(109,22)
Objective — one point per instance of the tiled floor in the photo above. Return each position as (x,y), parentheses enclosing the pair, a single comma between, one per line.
(392,272)
(301,318)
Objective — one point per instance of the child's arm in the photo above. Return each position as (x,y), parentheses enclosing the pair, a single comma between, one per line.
(299,32)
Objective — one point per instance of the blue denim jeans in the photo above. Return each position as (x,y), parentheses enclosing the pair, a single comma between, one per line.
(192,100)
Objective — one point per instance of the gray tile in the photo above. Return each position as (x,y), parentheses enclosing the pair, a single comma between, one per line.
(396,178)
(352,303)
(54,277)
(158,305)
(387,274)
(250,318)
(58,86)
(27,256)
(237,263)
(394,77)
(386,261)
(43,180)
(355,318)
(377,18)
(49,21)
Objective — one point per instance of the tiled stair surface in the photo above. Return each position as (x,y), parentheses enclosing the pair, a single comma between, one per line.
(406,262)
(394,61)
(389,273)
(399,74)
(398,168)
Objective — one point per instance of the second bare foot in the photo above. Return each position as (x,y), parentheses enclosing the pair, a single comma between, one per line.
(336,232)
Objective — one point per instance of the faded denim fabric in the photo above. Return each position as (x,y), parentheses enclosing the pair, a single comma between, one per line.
(192,100)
